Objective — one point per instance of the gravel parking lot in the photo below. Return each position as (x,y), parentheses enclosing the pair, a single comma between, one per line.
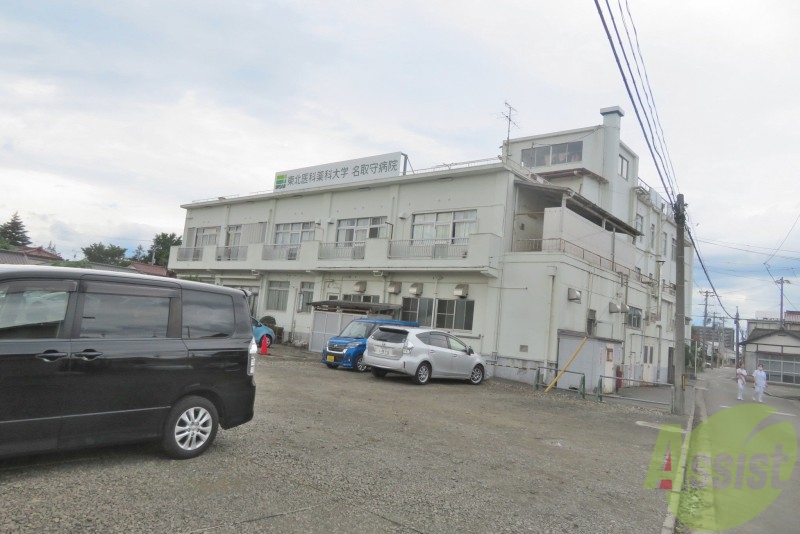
(336,451)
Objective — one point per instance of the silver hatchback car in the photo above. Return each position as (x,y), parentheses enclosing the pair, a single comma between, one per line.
(423,354)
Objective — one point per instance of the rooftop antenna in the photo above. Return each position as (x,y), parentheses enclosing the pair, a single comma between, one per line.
(510,121)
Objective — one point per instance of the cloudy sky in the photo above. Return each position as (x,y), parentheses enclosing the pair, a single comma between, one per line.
(113,114)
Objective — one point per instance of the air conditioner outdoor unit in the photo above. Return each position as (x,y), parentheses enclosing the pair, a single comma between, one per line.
(461,290)
(415,289)
(360,286)
(394,288)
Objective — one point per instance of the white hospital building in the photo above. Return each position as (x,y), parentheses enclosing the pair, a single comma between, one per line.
(522,255)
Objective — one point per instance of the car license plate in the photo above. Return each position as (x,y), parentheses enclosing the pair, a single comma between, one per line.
(330,357)
(381,350)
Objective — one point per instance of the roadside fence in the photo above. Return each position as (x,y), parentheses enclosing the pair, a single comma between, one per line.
(541,380)
(650,390)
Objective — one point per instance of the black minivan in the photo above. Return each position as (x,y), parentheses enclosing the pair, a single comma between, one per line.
(93,358)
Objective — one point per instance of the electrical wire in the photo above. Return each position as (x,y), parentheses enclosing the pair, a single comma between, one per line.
(664,172)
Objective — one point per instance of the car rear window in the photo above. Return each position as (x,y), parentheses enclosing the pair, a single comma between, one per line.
(207,314)
(390,336)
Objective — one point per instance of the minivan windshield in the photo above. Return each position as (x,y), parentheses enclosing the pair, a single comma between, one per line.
(357,329)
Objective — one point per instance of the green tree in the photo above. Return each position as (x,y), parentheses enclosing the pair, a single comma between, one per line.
(4,244)
(159,250)
(14,232)
(100,253)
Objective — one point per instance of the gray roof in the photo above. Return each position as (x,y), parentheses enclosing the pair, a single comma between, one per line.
(12,257)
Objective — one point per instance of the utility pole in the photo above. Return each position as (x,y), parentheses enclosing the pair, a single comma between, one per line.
(781,281)
(703,332)
(679,360)
(736,321)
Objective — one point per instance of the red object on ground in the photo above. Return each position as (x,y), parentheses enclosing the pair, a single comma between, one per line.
(264,346)
(666,484)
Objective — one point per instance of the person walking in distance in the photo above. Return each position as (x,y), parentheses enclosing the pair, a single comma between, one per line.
(760,378)
(741,377)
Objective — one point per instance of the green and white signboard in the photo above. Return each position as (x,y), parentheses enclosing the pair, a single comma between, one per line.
(343,172)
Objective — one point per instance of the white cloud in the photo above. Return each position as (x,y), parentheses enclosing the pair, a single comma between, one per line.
(113,114)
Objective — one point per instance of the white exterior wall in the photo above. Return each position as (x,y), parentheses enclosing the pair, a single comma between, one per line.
(520,299)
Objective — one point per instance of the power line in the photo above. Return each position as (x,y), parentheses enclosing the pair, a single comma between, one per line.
(658,162)
(630,96)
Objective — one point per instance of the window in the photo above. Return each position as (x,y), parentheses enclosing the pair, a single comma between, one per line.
(455,314)
(234,235)
(664,244)
(206,236)
(306,297)
(638,223)
(456,344)
(591,323)
(674,248)
(32,312)
(634,317)
(622,170)
(207,315)
(358,297)
(277,295)
(552,154)
(294,233)
(349,230)
(652,237)
(417,309)
(445,227)
(438,340)
(107,316)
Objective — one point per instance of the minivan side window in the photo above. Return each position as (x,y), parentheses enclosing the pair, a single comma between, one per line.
(207,315)
(124,316)
(33,311)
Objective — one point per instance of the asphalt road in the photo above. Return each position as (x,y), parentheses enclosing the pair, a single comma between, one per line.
(717,391)
(336,451)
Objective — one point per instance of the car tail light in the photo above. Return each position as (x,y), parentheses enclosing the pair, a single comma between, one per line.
(408,348)
(252,351)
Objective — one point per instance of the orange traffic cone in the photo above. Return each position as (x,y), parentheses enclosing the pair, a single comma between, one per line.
(264,346)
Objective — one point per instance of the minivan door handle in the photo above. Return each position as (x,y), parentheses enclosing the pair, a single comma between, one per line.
(88,355)
(51,355)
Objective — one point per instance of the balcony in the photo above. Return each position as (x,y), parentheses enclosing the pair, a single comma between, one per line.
(280,252)
(448,248)
(238,253)
(478,253)
(565,247)
(190,254)
(343,250)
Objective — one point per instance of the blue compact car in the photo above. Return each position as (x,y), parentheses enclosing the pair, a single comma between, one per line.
(347,349)
(261,330)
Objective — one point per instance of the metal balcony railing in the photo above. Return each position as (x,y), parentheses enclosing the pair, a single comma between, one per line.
(190,254)
(448,248)
(347,250)
(280,252)
(237,253)
(562,245)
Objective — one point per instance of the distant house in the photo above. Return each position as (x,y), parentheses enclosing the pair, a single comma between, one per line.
(776,345)
(40,256)
(149,268)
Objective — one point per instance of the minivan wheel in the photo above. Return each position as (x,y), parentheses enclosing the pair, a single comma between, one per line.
(477,375)
(379,373)
(423,374)
(191,428)
(359,365)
